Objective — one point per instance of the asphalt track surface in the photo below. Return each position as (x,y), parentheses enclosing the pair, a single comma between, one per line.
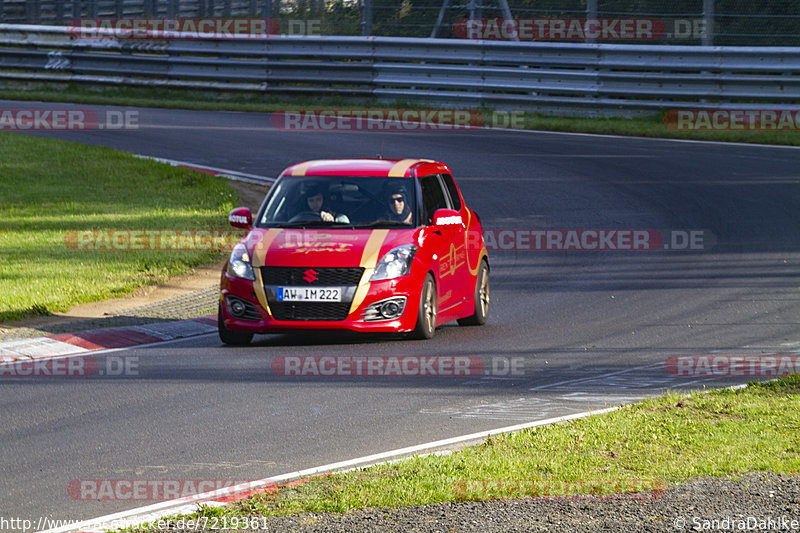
(593,328)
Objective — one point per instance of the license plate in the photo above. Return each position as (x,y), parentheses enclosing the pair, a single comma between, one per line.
(309,294)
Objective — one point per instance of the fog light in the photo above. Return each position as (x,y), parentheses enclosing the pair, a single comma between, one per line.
(237,308)
(388,309)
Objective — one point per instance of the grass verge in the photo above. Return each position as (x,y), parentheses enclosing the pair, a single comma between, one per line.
(50,190)
(641,447)
(649,126)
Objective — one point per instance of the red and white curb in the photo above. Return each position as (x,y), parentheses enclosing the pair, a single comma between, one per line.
(227,495)
(214,171)
(59,344)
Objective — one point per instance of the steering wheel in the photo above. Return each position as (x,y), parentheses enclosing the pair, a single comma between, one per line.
(306,216)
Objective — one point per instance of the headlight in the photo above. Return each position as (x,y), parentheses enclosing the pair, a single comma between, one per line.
(239,263)
(395,263)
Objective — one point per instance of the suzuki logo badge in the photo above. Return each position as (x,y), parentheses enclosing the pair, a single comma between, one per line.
(310,275)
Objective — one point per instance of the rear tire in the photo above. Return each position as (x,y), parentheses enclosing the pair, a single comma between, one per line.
(426,317)
(234,338)
(482,299)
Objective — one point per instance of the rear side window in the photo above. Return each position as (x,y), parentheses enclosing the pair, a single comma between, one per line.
(451,188)
(433,197)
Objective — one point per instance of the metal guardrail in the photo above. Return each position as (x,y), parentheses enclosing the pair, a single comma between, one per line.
(440,72)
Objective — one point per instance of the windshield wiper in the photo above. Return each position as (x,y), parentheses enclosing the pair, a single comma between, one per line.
(312,224)
(381,223)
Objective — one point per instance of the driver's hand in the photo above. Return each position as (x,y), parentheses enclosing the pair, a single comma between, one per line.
(327,217)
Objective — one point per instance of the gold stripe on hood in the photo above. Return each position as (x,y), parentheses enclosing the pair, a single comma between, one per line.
(369,258)
(259,260)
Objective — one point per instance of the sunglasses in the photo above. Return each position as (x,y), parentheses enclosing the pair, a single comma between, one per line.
(398,199)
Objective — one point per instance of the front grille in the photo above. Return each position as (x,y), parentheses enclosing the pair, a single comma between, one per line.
(326,277)
(310,310)
(275,277)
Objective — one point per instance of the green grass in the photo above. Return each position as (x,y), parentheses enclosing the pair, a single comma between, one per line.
(49,188)
(649,126)
(645,446)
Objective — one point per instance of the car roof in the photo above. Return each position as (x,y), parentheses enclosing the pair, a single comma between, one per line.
(368,168)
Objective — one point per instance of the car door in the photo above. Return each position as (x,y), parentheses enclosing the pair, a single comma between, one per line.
(448,242)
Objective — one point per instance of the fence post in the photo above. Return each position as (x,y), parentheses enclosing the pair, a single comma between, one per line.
(708,17)
(366,17)
(59,11)
(591,13)
(33,11)
(172,9)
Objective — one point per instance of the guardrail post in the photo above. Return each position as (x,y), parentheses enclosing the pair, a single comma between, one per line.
(366,17)
(708,18)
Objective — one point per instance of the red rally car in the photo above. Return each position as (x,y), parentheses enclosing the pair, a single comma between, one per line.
(381,245)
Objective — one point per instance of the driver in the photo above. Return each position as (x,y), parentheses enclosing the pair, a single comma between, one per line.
(316,204)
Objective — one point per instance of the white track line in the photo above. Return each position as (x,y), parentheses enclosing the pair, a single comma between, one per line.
(226,173)
(160,510)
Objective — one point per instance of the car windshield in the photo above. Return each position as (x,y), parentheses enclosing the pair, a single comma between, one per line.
(311,201)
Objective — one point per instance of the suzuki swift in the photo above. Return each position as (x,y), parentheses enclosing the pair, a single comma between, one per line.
(370,245)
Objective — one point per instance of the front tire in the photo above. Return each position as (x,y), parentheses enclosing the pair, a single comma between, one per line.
(426,317)
(482,299)
(234,338)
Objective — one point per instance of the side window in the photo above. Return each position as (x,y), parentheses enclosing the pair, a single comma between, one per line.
(451,188)
(433,197)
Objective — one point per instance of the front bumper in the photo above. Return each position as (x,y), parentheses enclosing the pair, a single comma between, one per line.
(407,286)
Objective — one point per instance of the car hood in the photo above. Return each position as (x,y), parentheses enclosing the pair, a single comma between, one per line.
(325,247)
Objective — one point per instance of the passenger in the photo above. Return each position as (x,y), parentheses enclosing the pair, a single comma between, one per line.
(399,210)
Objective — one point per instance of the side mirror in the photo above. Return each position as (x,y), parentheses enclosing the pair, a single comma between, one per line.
(447,217)
(241,217)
